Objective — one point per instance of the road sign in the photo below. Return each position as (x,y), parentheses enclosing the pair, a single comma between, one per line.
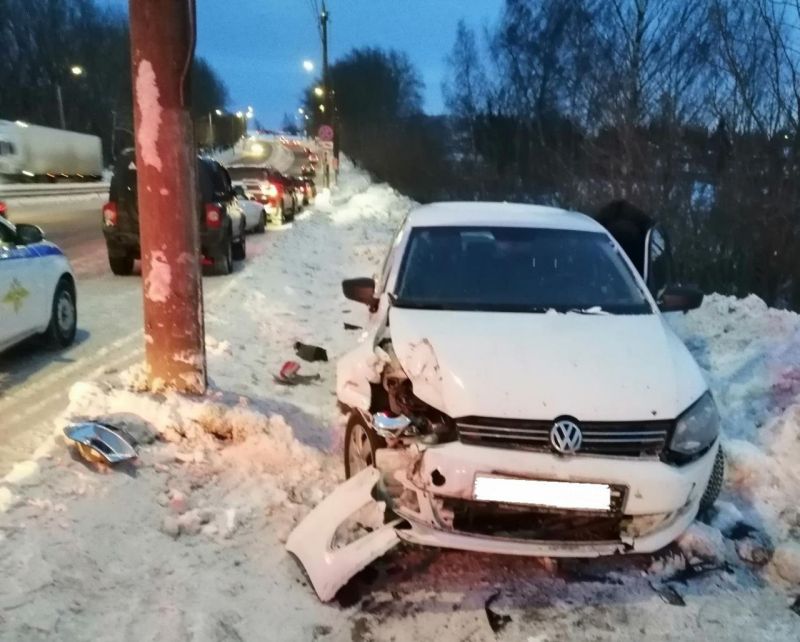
(325,133)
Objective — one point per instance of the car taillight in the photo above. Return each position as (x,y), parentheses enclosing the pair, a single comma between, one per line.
(110,214)
(270,189)
(213,216)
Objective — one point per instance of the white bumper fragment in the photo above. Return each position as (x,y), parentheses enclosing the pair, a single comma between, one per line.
(312,540)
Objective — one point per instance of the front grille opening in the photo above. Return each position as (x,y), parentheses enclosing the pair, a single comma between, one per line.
(522,522)
(630,439)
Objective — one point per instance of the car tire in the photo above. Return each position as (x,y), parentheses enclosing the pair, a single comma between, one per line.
(223,257)
(63,316)
(360,444)
(121,265)
(262,223)
(239,250)
(714,483)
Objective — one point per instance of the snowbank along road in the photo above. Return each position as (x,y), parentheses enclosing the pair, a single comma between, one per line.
(188,544)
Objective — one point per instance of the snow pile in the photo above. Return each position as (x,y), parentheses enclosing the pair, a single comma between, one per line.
(254,460)
(751,357)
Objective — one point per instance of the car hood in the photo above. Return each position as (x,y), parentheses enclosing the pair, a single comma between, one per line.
(543,366)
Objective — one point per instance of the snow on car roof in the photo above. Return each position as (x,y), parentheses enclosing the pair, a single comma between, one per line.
(500,215)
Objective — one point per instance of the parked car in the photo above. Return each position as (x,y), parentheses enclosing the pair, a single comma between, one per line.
(517,391)
(222,221)
(308,189)
(268,187)
(255,213)
(298,187)
(37,288)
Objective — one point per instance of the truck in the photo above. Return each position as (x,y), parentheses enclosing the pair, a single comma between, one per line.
(30,153)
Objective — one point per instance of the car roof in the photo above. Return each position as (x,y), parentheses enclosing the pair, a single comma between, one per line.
(480,213)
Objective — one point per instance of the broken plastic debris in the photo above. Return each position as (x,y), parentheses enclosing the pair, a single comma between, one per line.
(310,353)
(98,443)
(352,326)
(311,542)
(289,375)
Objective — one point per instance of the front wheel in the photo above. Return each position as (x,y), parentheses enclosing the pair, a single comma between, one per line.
(63,317)
(240,248)
(262,223)
(714,483)
(121,265)
(360,444)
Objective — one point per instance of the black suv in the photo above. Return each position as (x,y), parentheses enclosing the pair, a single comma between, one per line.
(222,222)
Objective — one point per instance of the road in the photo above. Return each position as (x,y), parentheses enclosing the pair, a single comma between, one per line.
(35,382)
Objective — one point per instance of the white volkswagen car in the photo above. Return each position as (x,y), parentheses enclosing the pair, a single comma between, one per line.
(517,390)
(37,288)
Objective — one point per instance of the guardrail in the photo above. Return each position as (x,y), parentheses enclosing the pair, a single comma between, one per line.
(11,191)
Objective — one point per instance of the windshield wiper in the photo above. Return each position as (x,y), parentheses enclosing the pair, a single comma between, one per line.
(595,309)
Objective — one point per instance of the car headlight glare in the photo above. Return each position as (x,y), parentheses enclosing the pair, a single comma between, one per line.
(697,428)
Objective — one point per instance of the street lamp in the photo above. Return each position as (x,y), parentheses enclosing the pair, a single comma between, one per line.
(319,91)
(77,71)
(239,114)
(300,110)
(308,66)
(218,112)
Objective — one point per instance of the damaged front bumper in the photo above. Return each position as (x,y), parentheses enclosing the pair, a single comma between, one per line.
(432,491)
(653,502)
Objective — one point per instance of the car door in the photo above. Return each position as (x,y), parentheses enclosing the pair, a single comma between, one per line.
(22,286)
(658,261)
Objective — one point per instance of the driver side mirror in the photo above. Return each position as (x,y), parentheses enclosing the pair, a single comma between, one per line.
(680,298)
(361,290)
(29,234)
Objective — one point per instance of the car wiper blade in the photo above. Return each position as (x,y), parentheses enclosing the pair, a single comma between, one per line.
(595,309)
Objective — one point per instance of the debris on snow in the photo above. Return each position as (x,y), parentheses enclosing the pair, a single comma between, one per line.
(702,542)
(786,562)
(669,594)
(497,621)
(310,353)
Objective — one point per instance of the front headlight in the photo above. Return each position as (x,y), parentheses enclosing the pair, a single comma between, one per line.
(697,428)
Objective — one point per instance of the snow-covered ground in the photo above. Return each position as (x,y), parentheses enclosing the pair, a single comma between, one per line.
(189,543)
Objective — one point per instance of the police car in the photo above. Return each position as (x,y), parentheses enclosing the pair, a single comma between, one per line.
(37,288)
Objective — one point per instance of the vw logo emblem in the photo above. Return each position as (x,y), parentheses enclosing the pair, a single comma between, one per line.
(566,437)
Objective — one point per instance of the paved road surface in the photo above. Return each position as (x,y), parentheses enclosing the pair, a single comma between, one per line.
(34,382)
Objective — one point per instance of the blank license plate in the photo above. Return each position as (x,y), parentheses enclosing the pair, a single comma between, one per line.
(550,494)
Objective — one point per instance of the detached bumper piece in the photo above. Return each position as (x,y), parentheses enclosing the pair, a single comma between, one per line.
(99,443)
(311,542)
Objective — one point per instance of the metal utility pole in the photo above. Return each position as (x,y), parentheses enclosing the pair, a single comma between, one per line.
(327,114)
(60,100)
(162,49)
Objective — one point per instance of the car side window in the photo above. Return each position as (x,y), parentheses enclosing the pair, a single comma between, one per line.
(660,262)
(8,237)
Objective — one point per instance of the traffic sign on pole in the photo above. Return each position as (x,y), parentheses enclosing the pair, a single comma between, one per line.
(325,133)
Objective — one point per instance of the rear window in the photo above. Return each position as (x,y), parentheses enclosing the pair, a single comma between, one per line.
(242,173)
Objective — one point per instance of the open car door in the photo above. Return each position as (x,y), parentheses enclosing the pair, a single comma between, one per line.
(644,240)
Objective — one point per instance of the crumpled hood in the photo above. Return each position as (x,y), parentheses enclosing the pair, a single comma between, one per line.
(543,366)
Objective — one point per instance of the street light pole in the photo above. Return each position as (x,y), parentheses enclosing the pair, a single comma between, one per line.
(60,101)
(162,48)
(326,112)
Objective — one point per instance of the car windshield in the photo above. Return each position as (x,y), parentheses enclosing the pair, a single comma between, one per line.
(512,269)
